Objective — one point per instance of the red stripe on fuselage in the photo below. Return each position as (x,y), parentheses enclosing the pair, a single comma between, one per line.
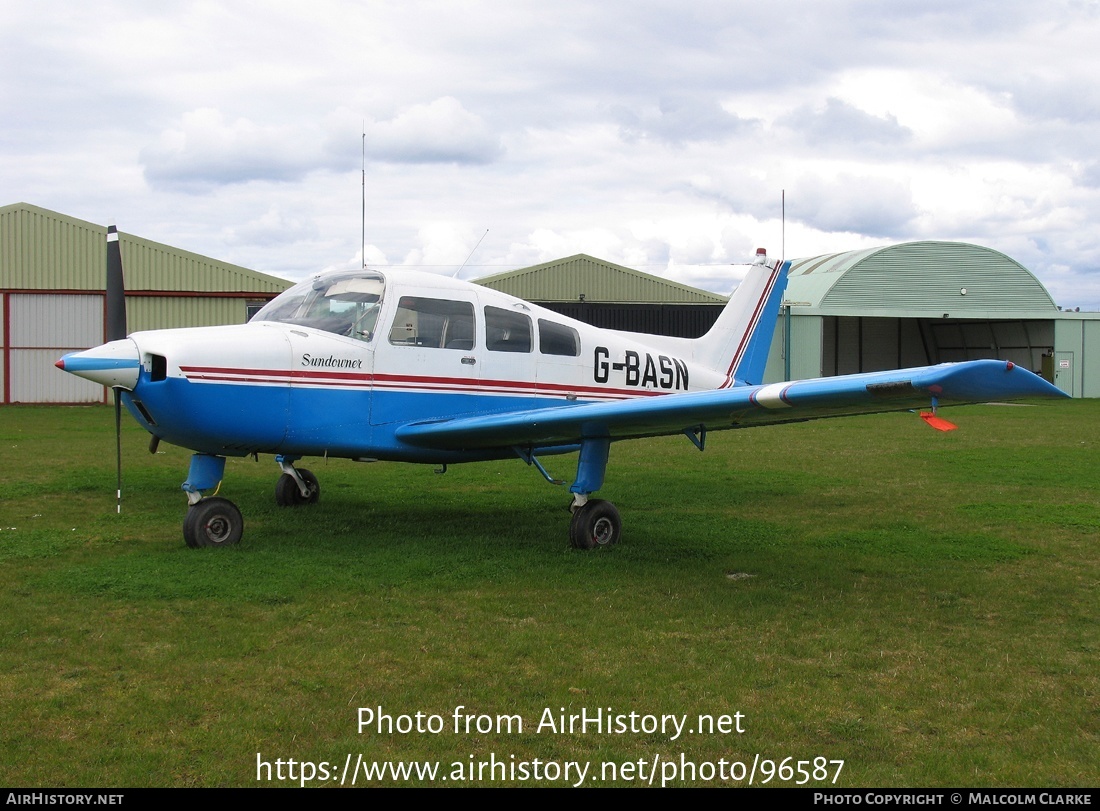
(390,381)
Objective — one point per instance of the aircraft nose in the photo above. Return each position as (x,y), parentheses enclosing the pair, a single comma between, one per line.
(115,364)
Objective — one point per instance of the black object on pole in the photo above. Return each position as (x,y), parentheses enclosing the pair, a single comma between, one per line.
(116,330)
(116,288)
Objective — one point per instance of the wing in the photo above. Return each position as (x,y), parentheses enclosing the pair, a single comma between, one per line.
(899,390)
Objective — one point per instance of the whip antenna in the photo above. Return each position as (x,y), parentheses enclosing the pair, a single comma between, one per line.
(470,256)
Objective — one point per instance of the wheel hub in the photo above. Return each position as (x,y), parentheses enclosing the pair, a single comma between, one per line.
(217,529)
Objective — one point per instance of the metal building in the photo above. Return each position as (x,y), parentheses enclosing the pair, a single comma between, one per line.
(921,303)
(51,286)
(612,296)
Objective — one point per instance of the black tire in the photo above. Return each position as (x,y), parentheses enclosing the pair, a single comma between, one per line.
(213,522)
(596,524)
(287,493)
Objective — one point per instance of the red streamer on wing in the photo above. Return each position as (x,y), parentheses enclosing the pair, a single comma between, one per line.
(939,423)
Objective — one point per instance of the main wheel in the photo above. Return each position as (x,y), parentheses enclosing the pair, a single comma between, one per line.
(597,523)
(287,493)
(213,522)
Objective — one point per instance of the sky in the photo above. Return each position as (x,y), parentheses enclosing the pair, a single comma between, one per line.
(487,136)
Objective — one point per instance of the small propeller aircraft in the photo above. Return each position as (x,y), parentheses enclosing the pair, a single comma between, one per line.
(372,365)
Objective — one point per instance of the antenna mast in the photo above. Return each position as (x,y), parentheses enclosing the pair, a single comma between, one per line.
(364,212)
(468,258)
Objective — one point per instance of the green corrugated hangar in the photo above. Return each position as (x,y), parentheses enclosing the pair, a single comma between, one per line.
(612,296)
(51,283)
(922,303)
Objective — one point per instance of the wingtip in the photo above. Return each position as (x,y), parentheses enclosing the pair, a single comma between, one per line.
(1031,384)
(1041,386)
(979,381)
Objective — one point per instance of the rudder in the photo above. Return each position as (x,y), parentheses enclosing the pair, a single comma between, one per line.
(738,343)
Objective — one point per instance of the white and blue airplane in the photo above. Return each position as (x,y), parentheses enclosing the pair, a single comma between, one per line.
(414,367)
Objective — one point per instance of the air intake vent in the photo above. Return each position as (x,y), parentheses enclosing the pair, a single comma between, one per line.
(158,367)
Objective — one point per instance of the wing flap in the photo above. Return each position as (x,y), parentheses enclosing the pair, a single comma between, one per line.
(900,390)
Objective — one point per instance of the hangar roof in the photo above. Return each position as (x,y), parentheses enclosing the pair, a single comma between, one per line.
(918,279)
(565,280)
(44,250)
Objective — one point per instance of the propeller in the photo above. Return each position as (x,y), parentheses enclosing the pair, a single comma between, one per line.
(116,288)
(116,330)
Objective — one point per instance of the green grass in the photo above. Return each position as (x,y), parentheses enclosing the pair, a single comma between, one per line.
(923,606)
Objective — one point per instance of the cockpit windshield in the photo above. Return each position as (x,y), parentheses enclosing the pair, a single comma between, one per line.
(345,303)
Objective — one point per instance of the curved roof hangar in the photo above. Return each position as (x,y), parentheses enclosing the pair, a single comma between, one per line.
(918,279)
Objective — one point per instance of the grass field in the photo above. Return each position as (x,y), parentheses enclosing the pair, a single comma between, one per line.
(922,606)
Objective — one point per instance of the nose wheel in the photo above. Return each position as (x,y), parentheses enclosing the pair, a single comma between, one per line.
(213,522)
(210,521)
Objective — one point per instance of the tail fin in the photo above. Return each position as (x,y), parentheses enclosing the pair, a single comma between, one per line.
(740,339)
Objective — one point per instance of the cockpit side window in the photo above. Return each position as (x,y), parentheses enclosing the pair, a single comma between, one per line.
(431,322)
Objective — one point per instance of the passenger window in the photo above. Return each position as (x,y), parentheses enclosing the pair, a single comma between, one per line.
(558,339)
(431,322)
(507,331)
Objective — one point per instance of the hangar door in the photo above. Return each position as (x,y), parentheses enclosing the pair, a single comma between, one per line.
(852,344)
(39,329)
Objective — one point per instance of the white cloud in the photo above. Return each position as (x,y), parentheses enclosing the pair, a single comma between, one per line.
(442,131)
(838,123)
(857,204)
(205,149)
(273,227)
(442,246)
(941,113)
